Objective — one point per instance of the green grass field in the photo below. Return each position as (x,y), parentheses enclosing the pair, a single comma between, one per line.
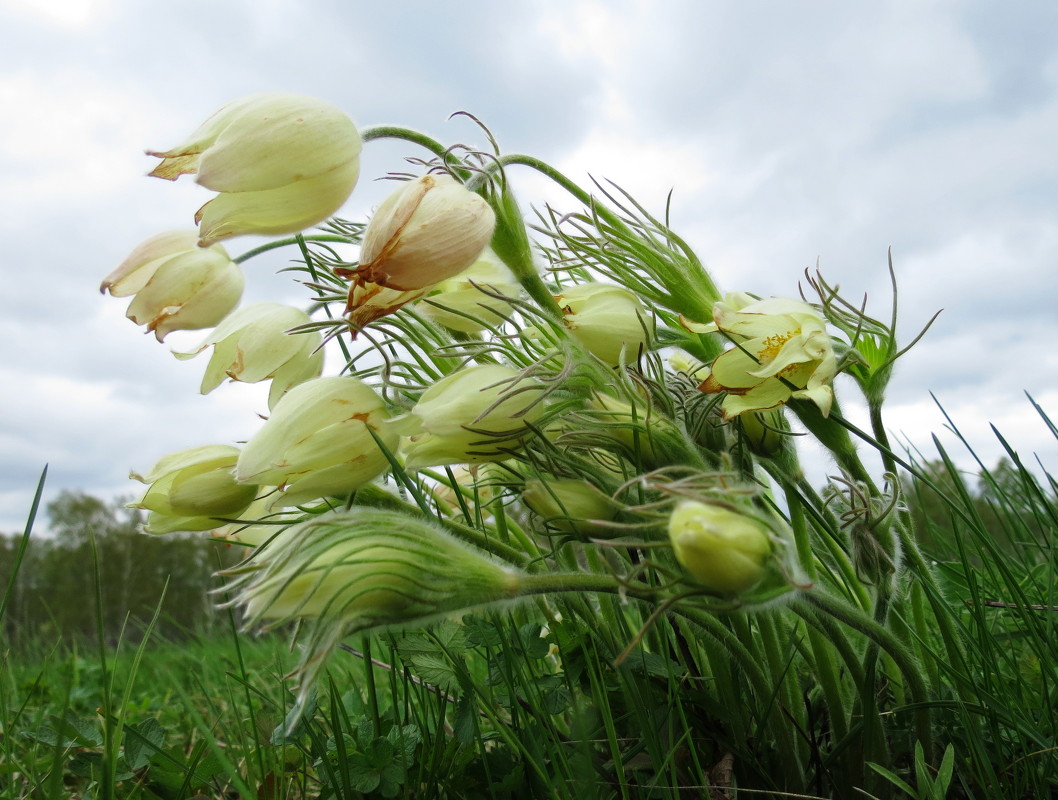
(547,700)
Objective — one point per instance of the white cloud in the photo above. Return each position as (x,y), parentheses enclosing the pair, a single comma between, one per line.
(788,132)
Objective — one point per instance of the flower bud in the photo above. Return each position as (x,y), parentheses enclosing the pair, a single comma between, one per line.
(281,163)
(608,320)
(253,345)
(467,302)
(178,286)
(568,505)
(427,231)
(190,489)
(723,550)
(368,567)
(360,569)
(650,438)
(318,441)
(474,415)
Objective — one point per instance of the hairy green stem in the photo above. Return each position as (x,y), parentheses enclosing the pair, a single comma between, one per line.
(405,134)
(905,661)
(826,670)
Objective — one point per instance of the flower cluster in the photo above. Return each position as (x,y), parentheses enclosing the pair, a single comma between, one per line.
(599,408)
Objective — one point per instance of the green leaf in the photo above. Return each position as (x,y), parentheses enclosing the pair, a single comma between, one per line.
(533,643)
(557,700)
(892,778)
(481,632)
(405,739)
(944,774)
(436,670)
(142,740)
(464,724)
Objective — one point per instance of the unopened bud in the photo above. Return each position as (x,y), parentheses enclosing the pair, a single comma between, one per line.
(608,320)
(568,505)
(477,414)
(724,550)
(369,567)
(427,231)
(467,303)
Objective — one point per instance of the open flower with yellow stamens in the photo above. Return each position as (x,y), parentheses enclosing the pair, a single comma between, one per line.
(782,350)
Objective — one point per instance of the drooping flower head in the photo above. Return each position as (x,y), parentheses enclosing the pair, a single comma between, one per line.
(468,303)
(178,286)
(609,321)
(425,232)
(321,439)
(190,490)
(475,415)
(253,344)
(280,162)
(782,350)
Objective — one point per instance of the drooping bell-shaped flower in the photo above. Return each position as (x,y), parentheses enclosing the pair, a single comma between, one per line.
(427,231)
(724,550)
(318,441)
(782,350)
(475,415)
(254,344)
(280,162)
(178,286)
(608,320)
(192,489)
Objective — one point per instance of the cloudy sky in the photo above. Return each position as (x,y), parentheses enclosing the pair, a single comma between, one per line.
(792,133)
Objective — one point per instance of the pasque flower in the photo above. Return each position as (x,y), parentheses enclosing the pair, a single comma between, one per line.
(318,441)
(608,320)
(367,567)
(191,489)
(722,549)
(280,162)
(475,415)
(177,284)
(782,350)
(253,344)
(427,231)
(364,568)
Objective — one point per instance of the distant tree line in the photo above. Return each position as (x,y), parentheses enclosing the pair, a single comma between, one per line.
(96,568)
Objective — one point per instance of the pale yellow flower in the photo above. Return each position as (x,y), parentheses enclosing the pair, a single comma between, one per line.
(608,320)
(253,344)
(318,441)
(280,162)
(782,350)
(178,286)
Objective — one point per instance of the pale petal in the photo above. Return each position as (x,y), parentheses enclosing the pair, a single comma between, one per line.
(769,394)
(283,140)
(287,209)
